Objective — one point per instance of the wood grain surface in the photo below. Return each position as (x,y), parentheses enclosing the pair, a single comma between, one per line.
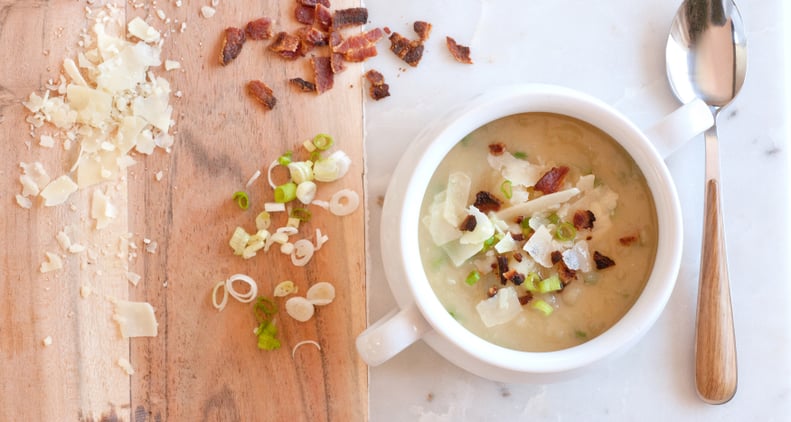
(204,364)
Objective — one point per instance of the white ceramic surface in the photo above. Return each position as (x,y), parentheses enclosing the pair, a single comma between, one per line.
(614,51)
(401,217)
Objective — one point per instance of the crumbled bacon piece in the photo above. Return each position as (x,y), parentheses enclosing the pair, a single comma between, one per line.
(516,277)
(305,14)
(349,17)
(303,85)
(555,256)
(406,49)
(551,180)
(628,240)
(566,274)
(460,53)
(359,47)
(263,93)
(583,219)
(231,45)
(524,300)
(518,256)
(486,202)
(502,268)
(519,237)
(323,16)
(497,148)
(313,36)
(259,29)
(378,89)
(313,3)
(322,71)
(492,291)
(422,29)
(286,45)
(468,224)
(602,261)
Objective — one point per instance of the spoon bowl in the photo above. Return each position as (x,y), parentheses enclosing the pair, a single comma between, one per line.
(706,59)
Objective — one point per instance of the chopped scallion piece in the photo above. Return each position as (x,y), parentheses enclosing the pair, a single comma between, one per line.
(264,309)
(315,156)
(286,192)
(285,159)
(263,221)
(473,277)
(580,334)
(520,155)
(241,199)
(301,214)
(543,307)
(323,141)
(550,284)
(554,218)
(565,231)
(507,189)
(531,281)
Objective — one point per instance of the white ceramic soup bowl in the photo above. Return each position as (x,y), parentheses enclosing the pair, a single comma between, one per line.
(420,315)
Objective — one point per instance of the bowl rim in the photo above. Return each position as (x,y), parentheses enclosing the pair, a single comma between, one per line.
(435,142)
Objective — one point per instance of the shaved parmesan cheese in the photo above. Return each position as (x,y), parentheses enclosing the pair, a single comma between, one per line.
(484,229)
(102,210)
(53,263)
(320,294)
(440,229)
(58,191)
(126,365)
(46,141)
(23,201)
(460,253)
(140,29)
(47,341)
(135,319)
(500,308)
(133,278)
(172,65)
(456,196)
(543,203)
(63,239)
(85,291)
(207,11)
(300,308)
(540,247)
(506,244)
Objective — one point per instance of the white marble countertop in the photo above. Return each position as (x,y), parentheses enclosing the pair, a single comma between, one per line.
(613,50)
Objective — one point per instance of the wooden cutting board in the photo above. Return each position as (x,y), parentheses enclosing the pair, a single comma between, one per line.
(203,364)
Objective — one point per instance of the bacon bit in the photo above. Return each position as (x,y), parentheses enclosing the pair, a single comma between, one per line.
(231,45)
(628,240)
(551,180)
(259,29)
(322,71)
(336,63)
(502,268)
(602,261)
(486,202)
(313,36)
(305,14)
(323,16)
(350,17)
(517,256)
(583,219)
(460,53)
(517,278)
(519,237)
(303,85)
(286,45)
(566,274)
(492,291)
(379,89)
(497,149)
(422,29)
(556,257)
(313,3)
(387,30)
(524,300)
(406,49)
(359,47)
(468,224)
(261,92)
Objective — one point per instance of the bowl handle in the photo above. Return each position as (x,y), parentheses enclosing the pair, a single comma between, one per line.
(390,335)
(678,127)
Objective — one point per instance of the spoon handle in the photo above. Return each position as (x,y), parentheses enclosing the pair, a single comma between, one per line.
(715,342)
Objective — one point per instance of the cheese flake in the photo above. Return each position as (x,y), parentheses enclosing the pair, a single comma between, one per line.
(58,191)
(140,29)
(53,263)
(135,319)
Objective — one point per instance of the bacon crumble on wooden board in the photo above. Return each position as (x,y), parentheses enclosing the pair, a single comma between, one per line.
(231,45)
(305,14)
(259,29)
(263,93)
(359,47)
(550,182)
(323,17)
(378,89)
(303,85)
(322,72)
(313,3)
(459,52)
(286,45)
(349,17)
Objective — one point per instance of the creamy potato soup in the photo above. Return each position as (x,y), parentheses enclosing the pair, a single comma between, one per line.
(538,232)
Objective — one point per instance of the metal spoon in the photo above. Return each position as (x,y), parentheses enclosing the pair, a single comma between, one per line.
(706,58)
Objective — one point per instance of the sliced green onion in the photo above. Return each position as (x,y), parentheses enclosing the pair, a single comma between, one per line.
(565,231)
(543,307)
(554,218)
(531,281)
(239,240)
(323,141)
(286,192)
(550,284)
(285,159)
(580,334)
(520,155)
(488,243)
(473,277)
(301,214)
(300,171)
(525,224)
(263,221)
(507,189)
(241,199)
(453,314)
(315,156)
(264,308)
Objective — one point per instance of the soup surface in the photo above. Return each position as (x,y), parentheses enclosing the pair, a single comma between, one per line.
(538,232)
